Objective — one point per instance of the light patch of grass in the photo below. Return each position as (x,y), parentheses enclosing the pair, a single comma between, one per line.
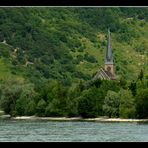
(4,70)
(88,68)
(91,49)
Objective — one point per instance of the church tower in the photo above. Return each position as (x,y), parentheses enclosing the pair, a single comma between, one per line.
(109,62)
(108,72)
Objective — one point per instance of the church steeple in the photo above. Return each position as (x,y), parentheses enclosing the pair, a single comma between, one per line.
(107,72)
(109,56)
(109,63)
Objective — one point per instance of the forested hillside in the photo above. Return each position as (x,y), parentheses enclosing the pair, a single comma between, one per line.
(51,52)
(70,43)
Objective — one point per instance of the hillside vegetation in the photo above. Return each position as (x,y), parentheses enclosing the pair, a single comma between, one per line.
(49,55)
(70,43)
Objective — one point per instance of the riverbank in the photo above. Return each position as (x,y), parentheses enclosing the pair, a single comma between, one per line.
(100,119)
(3,115)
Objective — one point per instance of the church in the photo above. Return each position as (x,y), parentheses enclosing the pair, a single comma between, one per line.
(108,72)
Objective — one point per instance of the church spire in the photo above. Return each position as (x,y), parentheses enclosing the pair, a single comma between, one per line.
(108,72)
(109,56)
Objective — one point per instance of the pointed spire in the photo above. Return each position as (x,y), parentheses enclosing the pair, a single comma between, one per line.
(109,56)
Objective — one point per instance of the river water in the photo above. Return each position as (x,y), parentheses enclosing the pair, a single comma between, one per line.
(55,131)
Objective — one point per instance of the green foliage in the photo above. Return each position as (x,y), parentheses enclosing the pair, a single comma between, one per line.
(26,105)
(96,83)
(57,100)
(5,50)
(56,52)
(111,104)
(54,41)
(135,13)
(110,85)
(87,104)
(52,110)
(31,108)
(142,103)
(123,83)
(141,47)
(18,97)
(9,95)
(72,101)
(133,87)
(127,104)
(41,108)
(89,58)
(140,76)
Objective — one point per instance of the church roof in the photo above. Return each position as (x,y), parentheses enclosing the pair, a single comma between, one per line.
(103,74)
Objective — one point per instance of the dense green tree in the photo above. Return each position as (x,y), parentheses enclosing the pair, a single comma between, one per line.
(111,104)
(90,102)
(110,85)
(40,108)
(87,105)
(142,103)
(123,83)
(73,95)
(133,87)
(57,100)
(26,104)
(127,104)
(52,109)
(31,108)
(9,95)
(16,95)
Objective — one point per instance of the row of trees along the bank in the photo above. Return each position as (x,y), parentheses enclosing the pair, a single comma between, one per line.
(120,98)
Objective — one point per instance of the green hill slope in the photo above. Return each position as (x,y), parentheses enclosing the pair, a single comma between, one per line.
(69,44)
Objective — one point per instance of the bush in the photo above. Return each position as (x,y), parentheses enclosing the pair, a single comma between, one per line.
(90,58)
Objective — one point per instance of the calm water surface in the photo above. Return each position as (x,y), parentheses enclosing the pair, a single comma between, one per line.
(53,131)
